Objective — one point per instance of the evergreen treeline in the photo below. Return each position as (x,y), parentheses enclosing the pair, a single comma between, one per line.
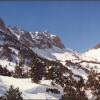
(12,94)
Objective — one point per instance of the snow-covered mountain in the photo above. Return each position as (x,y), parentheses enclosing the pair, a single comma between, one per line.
(93,53)
(43,58)
(43,44)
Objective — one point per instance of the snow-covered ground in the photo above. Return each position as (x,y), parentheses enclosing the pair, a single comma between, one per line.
(92,54)
(29,90)
(9,65)
(55,53)
(77,71)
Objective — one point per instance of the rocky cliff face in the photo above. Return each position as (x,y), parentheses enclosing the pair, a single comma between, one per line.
(57,42)
(42,40)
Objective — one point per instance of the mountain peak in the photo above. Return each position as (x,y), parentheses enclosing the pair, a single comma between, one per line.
(42,40)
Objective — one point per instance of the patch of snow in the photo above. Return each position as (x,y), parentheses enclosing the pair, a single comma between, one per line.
(89,94)
(78,72)
(14,50)
(9,65)
(46,82)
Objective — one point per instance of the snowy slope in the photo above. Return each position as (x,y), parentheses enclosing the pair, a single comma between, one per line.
(29,90)
(56,53)
(93,54)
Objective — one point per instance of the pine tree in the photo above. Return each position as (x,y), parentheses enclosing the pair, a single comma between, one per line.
(37,71)
(73,90)
(19,65)
(18,72)
(1,70)
(12,94)
(93,84)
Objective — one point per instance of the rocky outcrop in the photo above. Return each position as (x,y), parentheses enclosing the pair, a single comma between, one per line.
(57,42)
(41,40)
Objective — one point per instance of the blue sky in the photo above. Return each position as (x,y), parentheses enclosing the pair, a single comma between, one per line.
(77,23)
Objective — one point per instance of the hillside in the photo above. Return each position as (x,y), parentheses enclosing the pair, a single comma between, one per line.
(41,66)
